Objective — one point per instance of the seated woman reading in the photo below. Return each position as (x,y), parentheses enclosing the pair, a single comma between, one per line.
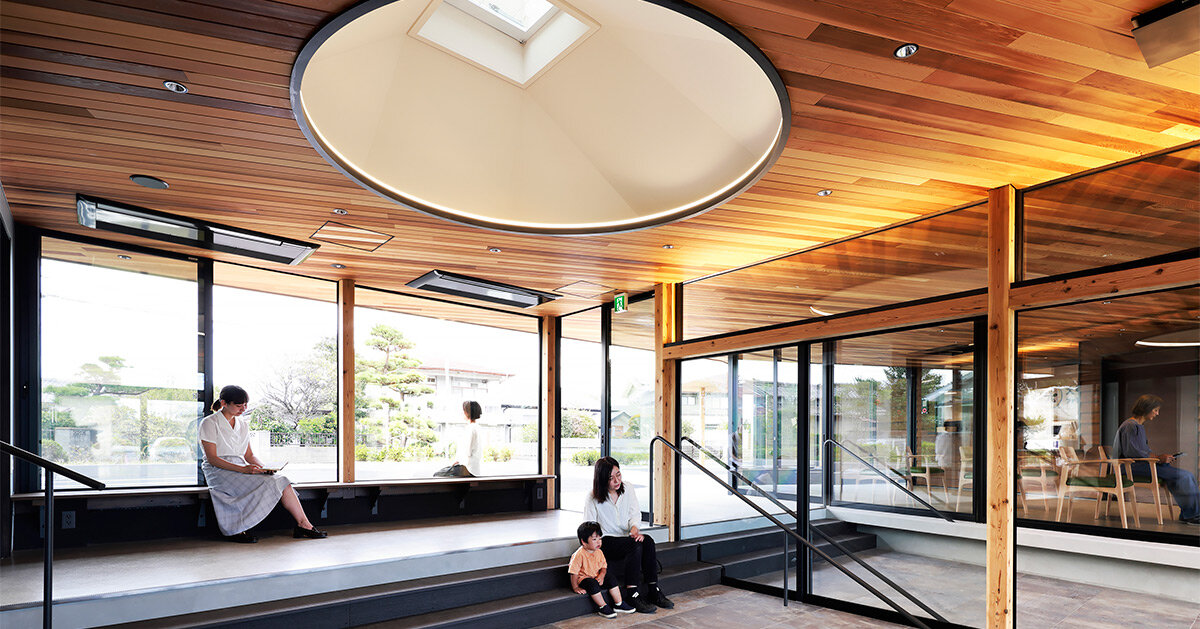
(243,492)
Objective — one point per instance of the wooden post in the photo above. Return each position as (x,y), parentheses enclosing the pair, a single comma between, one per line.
(1000,407)
(550,411)
(346,384)
(666,330)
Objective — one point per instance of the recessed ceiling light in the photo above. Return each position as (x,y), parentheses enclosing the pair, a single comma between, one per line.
(824,193)
(178,88)
(146,181)
(905,51)
(338,266)
(668,246)
(494,249)
(338,210)
(124,257)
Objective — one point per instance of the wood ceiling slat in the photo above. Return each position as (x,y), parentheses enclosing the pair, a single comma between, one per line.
(54,12)
(132,18)
(990,99)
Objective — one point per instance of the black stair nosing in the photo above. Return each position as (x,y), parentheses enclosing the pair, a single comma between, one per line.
(409,587)
(544,571)
(546,606)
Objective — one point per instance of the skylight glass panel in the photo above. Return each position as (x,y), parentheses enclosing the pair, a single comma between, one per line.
(523,14)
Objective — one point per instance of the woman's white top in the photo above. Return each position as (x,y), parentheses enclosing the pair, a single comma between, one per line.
(615,518)
(472,450)
(231,441)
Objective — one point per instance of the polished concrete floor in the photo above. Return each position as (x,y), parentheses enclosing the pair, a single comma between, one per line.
(956,591)
(112,568)
(721,607)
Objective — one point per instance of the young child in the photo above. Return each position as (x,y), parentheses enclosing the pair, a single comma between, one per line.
(589,573)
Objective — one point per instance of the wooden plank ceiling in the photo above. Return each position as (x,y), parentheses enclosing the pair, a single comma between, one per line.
(1014,91)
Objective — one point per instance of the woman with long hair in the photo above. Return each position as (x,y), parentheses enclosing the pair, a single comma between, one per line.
(615,506)
(243,492)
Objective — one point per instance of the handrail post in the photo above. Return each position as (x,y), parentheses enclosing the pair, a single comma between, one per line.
(785,569)
(48,567)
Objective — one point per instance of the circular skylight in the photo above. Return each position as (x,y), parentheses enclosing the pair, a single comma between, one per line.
(590,117)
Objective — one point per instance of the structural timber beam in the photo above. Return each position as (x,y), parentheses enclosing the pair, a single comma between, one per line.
(346,384)
(1001,355)
(666,330)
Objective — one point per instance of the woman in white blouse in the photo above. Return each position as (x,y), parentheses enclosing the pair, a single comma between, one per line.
(243,492)
(470,451)
(615,507)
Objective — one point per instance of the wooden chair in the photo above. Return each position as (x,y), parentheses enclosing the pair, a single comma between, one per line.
(966,476)
(1150,482)
(918,466)
(1113,478)
(1039,467)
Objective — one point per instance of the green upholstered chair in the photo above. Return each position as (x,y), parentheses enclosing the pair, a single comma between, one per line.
(1095,476)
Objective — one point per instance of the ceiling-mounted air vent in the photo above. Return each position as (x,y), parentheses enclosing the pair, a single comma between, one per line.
(136,221)
(350,236)
(587,290)
(477,288)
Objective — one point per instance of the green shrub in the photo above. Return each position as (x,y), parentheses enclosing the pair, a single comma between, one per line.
(53,450)
(585,457)
(631,458)
(418,452)
(500,454)
(362,452)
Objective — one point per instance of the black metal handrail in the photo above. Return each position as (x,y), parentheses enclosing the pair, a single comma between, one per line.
(789,531)
(892,481)
(825,536)
(51,468)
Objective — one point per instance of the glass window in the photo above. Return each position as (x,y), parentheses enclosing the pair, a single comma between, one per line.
(903,402)
(939,255)
(632,393)
(706,380)
(816,426)
(1138,210)
(275,335)
(121,379)
(1082,370)
(581,380)
(408,427)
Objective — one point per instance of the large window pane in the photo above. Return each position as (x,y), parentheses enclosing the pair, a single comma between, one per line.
(417,361)
(582,383)
(1081,369)
(121,381)
(275,335)
(632,399)
(816,426)
(903,402)
(1138,210)
(934,256)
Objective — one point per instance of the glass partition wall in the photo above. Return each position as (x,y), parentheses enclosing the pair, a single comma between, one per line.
(581,387)
(418,361)
(123,389)
(121,378)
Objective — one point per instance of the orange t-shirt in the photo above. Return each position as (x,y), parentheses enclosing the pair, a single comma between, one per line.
(587,563)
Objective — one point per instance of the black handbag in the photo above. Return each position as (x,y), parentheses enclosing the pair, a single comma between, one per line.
(457,470)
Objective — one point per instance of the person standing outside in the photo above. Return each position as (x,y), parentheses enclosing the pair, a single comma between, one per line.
(1131,443)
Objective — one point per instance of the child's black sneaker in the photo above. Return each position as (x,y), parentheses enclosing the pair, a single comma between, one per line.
(624,608)
(607,612)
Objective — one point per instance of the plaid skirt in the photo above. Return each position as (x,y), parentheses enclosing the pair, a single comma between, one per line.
(241,500)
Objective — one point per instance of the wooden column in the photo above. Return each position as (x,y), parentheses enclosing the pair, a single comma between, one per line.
(346,384)
(550,410)
(666,330)
(1000,407)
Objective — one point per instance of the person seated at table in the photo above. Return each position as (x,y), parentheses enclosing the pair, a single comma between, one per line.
(1131,443)
(243,491)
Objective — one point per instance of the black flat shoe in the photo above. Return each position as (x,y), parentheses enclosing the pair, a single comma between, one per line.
(313,533)
(242,538)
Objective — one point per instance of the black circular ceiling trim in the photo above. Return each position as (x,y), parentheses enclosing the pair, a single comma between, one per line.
(683,8)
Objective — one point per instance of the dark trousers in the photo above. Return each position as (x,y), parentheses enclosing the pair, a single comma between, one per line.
(640,559)
(1180,483)
(590,585)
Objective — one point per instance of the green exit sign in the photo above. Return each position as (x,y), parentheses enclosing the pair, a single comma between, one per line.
(621,302)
